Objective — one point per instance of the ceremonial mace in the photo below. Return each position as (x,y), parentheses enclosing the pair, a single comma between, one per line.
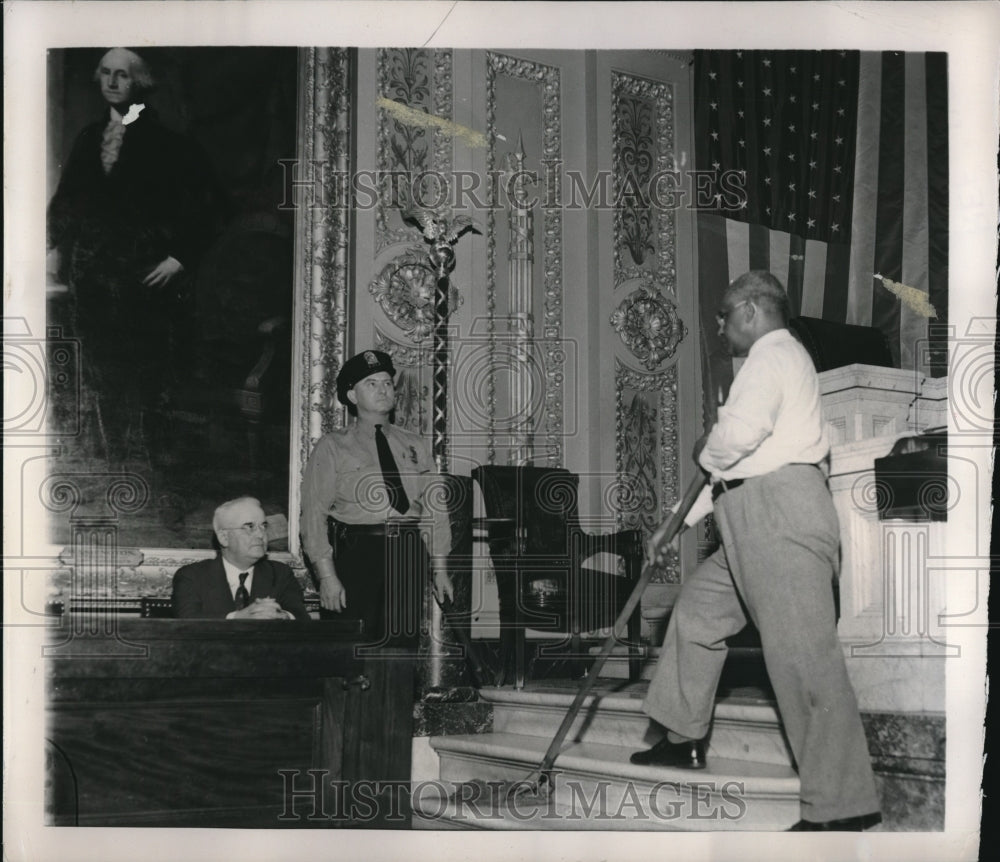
(441,235)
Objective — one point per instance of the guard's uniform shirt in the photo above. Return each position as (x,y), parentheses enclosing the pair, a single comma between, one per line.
(343,479)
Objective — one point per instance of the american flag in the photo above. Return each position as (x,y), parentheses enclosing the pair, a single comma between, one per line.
(842,158)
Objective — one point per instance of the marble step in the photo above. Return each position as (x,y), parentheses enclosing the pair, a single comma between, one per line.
(743,729)
(616,664)
(597,788)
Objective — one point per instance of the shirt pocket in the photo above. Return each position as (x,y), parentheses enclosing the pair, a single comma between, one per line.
(361,487)
(408,459)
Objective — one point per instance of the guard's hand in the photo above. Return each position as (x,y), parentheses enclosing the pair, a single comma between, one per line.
(443,586)
(332,594)
(164,272)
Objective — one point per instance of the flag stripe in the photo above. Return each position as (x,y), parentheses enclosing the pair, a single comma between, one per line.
(737,248)
(814,279)
(937,207)
(796,267)
(889,206)
(779,255)
(862,258)
(713,276)
(760,247)
(838,267)
(912,322)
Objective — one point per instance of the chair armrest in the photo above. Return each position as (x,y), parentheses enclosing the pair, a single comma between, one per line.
(494,529)
(627,544)
(493,523)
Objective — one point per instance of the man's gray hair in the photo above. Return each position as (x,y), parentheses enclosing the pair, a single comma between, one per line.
(142,75)
(224,509)
(762,289)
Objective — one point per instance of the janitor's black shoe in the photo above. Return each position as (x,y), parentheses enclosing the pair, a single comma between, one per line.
(847,824)
(686,755)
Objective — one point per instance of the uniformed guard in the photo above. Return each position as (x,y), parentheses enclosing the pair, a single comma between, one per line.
(364,512)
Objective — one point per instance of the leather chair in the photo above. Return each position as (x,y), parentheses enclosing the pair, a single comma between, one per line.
(541,578)
(457,499)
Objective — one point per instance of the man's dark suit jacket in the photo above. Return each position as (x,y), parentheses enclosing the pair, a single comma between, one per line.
(160,198)
(201,590)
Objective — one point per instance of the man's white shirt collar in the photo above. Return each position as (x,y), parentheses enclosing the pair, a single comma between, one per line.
(233,575)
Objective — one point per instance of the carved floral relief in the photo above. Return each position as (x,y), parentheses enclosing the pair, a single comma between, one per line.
(643,146)
(637,155)
(405,287)
(649,326)
(419,78)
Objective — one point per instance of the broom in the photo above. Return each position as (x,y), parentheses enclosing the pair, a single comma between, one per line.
(539,782)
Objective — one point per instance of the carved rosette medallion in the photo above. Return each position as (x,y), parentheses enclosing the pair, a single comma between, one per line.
(643,148)
(419,78)
(547,78)
(646,453)
(405,290)
(649,326)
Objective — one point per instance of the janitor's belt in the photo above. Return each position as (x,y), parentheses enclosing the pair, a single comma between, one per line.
(723,485)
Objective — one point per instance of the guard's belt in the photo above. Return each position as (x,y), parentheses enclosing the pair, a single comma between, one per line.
(338,532)
(382,528)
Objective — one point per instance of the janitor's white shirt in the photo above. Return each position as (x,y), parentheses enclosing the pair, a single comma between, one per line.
(773,416)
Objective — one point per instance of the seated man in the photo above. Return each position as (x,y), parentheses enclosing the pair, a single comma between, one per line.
(241,583)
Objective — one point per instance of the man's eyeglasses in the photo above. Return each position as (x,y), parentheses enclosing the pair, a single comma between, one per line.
(722,315)
(250,527)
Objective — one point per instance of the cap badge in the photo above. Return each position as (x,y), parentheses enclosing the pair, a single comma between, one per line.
(371,358)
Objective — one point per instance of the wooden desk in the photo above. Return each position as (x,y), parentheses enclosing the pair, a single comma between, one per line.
(197,723)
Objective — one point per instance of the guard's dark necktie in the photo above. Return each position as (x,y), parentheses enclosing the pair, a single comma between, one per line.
(242,596)
(390,473)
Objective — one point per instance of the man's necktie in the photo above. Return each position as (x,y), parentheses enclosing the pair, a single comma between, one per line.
(390,473)
(242,596)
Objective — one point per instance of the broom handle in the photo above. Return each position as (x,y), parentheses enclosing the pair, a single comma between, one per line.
(661,538)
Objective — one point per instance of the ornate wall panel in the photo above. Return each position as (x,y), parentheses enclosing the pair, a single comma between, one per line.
(646,453)
(419,161)
(645,316)
(324,235)
(322,253)
(643,137)
(549,334)
(419,78)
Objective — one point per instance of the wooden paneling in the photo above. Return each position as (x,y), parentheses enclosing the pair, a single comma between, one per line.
(146,761)
(220,725)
